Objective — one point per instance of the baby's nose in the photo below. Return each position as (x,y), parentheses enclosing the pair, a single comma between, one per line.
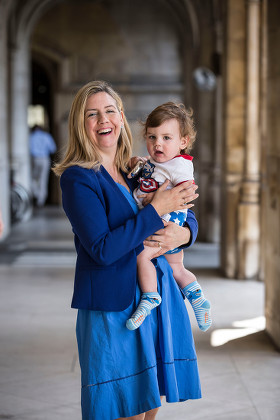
(158,142)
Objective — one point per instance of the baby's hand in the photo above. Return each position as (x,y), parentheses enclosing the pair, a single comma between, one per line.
(136,163)
(147,198)
(133,161)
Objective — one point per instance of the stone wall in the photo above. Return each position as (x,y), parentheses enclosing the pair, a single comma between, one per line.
(271,189)
(205,107)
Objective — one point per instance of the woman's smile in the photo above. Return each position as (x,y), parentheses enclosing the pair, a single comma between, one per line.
(105,131)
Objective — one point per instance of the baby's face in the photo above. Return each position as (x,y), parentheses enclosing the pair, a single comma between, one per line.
(165,142)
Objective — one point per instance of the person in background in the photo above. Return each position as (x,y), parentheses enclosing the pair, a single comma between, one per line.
(42,145)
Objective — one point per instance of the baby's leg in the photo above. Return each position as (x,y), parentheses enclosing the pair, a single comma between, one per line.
(182,276)
(147,275)
(150,298)
(191,289)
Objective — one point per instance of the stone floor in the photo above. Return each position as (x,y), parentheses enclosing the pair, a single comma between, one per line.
(39,371)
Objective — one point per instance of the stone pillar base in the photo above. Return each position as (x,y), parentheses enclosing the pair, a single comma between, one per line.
(248,238)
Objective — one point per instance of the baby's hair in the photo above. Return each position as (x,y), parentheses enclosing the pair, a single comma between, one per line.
(171,110)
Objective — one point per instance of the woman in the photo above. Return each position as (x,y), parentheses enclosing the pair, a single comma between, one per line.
(124,373)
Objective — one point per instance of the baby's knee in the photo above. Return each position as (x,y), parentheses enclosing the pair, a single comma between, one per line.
(191,277)
(180,271)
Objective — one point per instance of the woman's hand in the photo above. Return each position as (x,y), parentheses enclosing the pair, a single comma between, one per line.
(178,198)
(190,196)
(172,236)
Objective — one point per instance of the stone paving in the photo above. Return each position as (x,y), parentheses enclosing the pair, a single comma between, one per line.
(39,369)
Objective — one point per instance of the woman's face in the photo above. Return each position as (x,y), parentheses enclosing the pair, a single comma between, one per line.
(103,122)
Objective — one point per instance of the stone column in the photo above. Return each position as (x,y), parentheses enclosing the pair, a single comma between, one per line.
(20,75)
(214,222)
(249,207)
(4,118)
(233,154)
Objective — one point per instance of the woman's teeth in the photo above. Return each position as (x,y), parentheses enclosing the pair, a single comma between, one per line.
(105,131)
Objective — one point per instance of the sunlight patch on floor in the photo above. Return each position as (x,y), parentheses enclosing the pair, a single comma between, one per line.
(240,329)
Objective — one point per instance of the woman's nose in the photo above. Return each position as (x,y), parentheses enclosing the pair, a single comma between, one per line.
(102,118)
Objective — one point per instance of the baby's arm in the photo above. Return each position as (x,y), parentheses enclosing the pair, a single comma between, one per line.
(147,198)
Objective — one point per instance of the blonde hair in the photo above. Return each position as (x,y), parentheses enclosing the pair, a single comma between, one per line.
(81,150)
(171,110)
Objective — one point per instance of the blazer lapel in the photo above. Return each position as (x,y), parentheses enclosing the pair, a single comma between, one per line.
(123,204)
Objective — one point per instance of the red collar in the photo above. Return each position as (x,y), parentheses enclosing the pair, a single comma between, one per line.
(188,157)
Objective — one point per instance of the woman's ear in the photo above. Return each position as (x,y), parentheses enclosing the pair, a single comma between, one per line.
(122,119)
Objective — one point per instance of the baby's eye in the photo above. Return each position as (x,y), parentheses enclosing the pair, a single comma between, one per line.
(167,138)
(151,137)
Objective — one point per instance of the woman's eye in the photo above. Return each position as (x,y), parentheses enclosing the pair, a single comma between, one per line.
(92,114)
(110,111)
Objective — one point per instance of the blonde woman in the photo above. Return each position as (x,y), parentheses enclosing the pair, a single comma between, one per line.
(124,373)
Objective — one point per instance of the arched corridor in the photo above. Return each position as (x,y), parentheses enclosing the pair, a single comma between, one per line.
(39,369)
(151,51)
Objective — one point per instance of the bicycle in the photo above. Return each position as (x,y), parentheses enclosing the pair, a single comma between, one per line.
(21,203)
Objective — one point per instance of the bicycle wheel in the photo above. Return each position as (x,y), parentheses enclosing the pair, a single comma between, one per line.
(21,204)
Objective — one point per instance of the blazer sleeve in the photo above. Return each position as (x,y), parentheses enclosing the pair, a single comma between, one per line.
(87,210)
(192,224)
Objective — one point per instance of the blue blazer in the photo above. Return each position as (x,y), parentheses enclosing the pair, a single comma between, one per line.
(108,237)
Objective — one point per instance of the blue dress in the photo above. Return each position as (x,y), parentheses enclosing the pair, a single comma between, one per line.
(125,372)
